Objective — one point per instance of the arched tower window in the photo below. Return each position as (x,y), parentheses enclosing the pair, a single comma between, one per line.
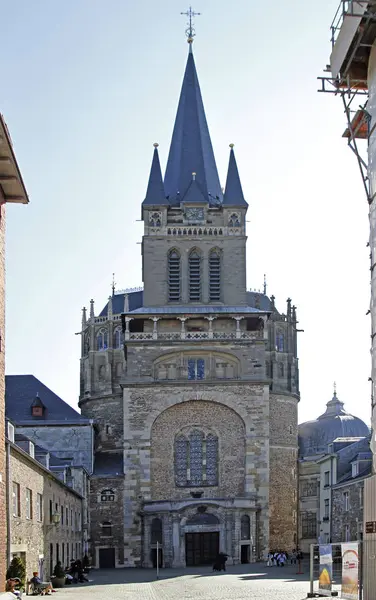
(118,338)
(86,344)
(214,275)
(280,342)
(107,495)
(174,276)
(245,527)
(102,339)
(196,459)
(194,266)
(156,531)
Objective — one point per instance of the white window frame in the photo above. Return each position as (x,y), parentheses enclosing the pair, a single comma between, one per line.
(16,496)
(29,504)
(39,508)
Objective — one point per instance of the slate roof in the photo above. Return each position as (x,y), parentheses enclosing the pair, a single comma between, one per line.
(255,300)
(20,392)
(335,422)
(233,192)
(135,301)
(155,194)
(191,149)
(177,310)
(106,463)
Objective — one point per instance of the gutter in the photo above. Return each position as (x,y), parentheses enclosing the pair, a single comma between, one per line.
(8,502)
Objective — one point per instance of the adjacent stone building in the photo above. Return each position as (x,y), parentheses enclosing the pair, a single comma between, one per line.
(46,517)
(330,432)
(193,381)
(12,189)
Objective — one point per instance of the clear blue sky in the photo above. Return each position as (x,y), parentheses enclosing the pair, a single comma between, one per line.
(89,85)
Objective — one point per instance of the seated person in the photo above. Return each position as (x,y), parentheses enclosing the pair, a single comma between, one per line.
(38,584)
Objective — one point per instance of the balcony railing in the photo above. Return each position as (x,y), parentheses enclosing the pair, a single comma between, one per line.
(192,336)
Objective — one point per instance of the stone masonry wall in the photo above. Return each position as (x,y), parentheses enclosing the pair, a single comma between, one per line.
(342,518)
(155,252)
(283,472)
(219,420)
(142,406)
(3,515)
(107,511)
(34,537)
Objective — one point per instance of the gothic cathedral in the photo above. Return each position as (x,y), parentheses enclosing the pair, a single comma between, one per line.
(193,381)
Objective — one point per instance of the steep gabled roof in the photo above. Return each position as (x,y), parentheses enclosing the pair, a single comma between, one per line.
(233,192)
(155,194)
(191,149)
(20,392)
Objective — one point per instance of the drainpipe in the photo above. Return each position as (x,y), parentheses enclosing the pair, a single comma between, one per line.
(8,503)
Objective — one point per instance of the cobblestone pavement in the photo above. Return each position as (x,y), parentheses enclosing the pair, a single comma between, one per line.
(245,582)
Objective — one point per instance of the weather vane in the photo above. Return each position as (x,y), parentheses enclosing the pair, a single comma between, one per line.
(190,31)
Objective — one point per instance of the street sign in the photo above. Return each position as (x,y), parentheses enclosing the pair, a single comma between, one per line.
(370,526)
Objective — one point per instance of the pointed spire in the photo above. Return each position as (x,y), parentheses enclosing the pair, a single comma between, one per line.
(109,307)
(83,316)
(92,309)
(233,191)
(191,149)
(155,194)
(126,303)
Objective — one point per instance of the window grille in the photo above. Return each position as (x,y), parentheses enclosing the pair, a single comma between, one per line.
(196,368)
(309,525)
(196,460)
(214,276)
(174,276)
(194,277)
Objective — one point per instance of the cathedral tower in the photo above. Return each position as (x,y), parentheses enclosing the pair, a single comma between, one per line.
(193,382)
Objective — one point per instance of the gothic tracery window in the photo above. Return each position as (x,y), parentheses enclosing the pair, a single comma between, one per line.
(280,342)
(214,275)
(155,219)
(107,495)
(102,339)
(194,266)
(234,220)
(196,459)
(118,338)
(174,276)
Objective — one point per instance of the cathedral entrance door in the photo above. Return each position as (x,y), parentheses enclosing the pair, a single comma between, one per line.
(201,548)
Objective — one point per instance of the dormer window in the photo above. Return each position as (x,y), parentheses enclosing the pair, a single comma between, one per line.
(37,408)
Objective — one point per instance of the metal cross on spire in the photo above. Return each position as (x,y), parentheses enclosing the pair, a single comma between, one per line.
(190,31)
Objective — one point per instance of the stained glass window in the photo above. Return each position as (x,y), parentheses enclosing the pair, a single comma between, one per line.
(196,460)
(280,342)
(196,368)
(196,457)
(181,460)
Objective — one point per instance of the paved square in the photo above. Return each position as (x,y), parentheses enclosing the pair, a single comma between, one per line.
(245,582)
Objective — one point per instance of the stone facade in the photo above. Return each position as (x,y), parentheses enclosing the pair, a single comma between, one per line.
(193,384)
(36,495)
(309,503)
(347,511)
(12,189)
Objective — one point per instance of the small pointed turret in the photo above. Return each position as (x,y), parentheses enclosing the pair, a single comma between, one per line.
(92,309)
(233,191)
(109,307)
(83,317)
(155,194)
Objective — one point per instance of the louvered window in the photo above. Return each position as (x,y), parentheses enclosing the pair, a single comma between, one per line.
(174,276)
(214,276)
(194,277)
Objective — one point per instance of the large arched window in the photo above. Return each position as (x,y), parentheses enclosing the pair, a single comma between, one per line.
(118,338)
(174,276)
(194,266)
(156,531)
(102,339)
(245,527)
(196,459)
(214,275)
